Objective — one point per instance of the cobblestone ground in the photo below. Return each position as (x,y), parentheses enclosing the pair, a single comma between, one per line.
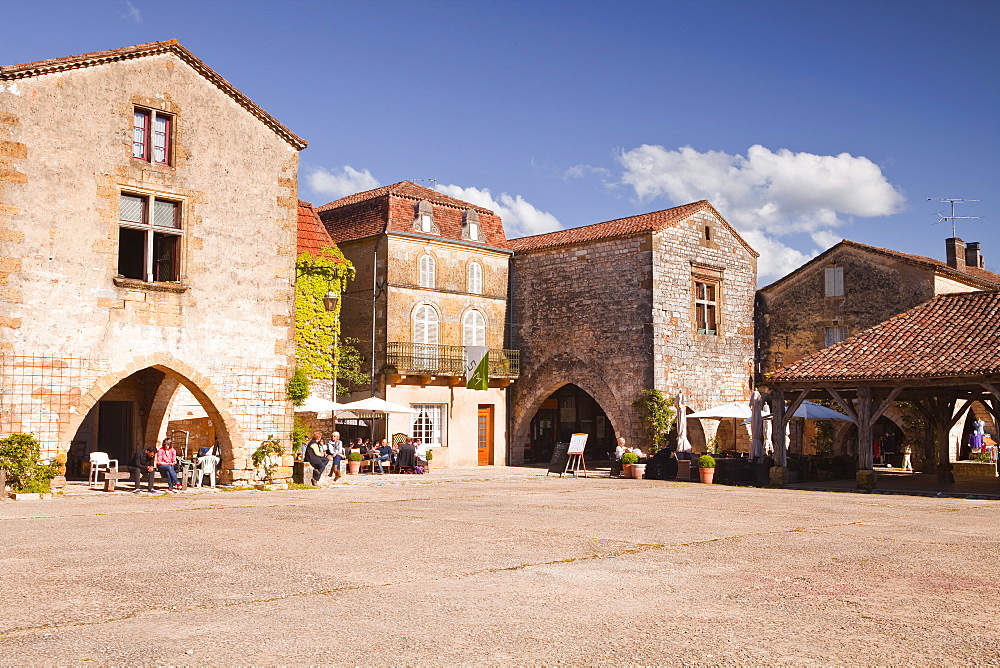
(499,566)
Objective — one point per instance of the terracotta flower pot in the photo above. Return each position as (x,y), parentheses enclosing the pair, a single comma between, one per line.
(353,468)
(706,475)
(638,471)
(626,470)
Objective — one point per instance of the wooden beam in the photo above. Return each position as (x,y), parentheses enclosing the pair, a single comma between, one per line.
(848,408)
(884,406)
(866,454)
(959,414)
(792,407)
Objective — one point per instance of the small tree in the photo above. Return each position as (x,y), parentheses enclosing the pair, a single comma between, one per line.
(298,386)
(658,413)
(20,457)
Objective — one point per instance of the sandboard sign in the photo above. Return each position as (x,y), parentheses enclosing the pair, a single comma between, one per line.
(568,457)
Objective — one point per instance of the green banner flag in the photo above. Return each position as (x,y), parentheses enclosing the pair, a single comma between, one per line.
(477,367)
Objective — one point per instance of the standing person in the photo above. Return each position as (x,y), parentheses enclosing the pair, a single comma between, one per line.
(316,456)
(907,464)
(144,463)
(335,449)
(384,454)
(166,460)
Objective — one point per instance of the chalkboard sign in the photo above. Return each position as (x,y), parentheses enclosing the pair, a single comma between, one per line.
(560,455)
(577,443)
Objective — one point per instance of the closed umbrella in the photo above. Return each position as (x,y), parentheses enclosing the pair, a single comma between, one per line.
(757,425)
(683,445)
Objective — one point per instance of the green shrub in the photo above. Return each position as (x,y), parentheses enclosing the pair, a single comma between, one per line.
(20,457)
(354,457)
(630,458)
(706,462)
(980,457)
(298,386)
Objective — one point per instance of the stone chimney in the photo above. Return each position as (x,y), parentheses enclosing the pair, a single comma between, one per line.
(972,256)
(955,253)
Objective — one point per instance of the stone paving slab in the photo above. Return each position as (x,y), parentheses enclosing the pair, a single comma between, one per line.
(504,566)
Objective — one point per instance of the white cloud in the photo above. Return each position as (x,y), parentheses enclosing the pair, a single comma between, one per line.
(520,218)
(132,12)
(580,171)
(825,239)
(776,259)
(771,193)
(341,182)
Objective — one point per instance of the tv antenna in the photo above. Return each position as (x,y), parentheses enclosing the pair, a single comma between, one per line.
(435,182)
(952,217)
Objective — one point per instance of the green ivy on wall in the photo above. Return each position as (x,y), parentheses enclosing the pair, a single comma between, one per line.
(316,329)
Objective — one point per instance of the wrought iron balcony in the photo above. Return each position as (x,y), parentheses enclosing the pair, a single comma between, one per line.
(433,360)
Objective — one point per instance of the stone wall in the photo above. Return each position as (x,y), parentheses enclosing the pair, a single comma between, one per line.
(70,328)
(615,316)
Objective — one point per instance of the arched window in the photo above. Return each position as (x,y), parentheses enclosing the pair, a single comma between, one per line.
(427,271)
(475,278)
(474,329)
(425,338)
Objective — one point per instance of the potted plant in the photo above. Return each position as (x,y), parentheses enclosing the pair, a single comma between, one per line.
(354,463)
(267,457)
(706,468)
(629,459)
(430,456)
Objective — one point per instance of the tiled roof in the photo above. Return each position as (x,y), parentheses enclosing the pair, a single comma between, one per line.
(622,227)
(52,65)
(391,208)
(950,335)
(403,189)
(311,235)
(970,275)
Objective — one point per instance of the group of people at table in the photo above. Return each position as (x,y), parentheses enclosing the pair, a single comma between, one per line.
(322,452)
(164,460)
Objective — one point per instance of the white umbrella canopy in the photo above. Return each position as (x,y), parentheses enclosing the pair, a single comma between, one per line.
(319,405)
(734,409)
(376,405)
(812,411)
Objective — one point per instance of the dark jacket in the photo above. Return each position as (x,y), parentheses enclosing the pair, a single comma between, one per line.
(142,459)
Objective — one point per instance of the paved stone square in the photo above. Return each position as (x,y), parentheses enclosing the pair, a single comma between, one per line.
(500,566)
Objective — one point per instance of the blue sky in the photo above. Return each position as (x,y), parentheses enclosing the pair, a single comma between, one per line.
(803,122)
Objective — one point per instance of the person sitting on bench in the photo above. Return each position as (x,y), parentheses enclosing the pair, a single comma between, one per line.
(166,460)
(144,463)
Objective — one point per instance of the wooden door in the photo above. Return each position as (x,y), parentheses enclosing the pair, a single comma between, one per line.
(485,436)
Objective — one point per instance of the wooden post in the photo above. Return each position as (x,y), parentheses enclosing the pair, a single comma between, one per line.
(779,440)
(866,458)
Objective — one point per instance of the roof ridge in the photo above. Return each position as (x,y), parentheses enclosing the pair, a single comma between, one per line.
(64,63)
(399,189)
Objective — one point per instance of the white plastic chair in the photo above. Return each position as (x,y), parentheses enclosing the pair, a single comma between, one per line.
(207,466)
(99,461)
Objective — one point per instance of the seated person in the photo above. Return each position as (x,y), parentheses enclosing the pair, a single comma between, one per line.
(406,459)
(383,455)
(166,460)
(420,452)
(144,463)
(317,457)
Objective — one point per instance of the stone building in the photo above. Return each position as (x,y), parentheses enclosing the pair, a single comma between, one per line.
(846,290)
(147,244)
(431,279)
(660,301)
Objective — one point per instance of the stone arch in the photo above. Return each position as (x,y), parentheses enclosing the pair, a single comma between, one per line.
(219,408)
(842,430)
(566,369)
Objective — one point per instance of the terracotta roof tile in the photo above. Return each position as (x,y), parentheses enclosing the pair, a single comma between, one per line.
(621,227)
(37,68)
(311,234)
(971,275)
(950,335)
(390,208)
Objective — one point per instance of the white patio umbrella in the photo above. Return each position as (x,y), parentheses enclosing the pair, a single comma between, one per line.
(376,405)
(734,409)
(808,410)
(683,445)
(319,405)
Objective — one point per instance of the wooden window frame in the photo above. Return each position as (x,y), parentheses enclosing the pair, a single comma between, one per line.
(706,306)
(144,137)
(154,236)
(833,282)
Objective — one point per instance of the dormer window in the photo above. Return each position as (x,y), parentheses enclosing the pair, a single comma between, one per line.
(424,218)
(470,225)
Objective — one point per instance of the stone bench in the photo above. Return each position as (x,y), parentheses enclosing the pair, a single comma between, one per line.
(983,469)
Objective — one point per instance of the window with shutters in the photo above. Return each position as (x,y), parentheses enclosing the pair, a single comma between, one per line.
(151,136)
(427,269)
(834,282)
(149,238)
(474,329)
(475,282)
(425,338)
(834,335)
